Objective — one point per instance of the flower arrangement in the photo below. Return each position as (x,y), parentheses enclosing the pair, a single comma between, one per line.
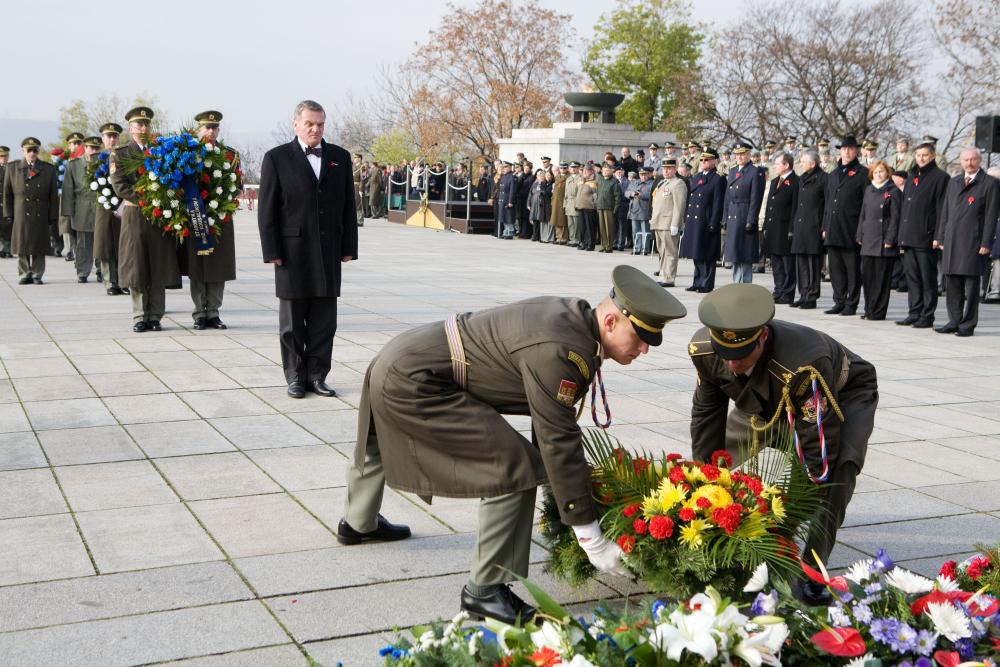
(59,159)
(222,179)
(977,571)
(684,525)
(98,175)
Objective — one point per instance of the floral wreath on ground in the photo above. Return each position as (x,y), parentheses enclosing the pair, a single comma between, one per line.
(98,175)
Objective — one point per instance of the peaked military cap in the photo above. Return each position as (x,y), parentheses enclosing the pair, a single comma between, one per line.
(653,145)
(574,163)
(632,174)
(546,159)
(647,170)
(563,165)
(74,136)
(928,139)
(770,145)
(741,147)
(669,162)
(823,143)
(903,140)
(111,128)
(93,142)
(791,139)
(507,164)
(735,314)
(709,153)
(647,305)
(208,118)
(4,150)
(139,113)
(869,144)
(31,142)
(669,144)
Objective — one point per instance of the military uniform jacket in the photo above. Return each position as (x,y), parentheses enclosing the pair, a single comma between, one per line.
(968,223)
(33,203)
(586,194)
(744,195)
(904,162)
(534,357)
(558,217)
(778,214)
(569,198)
(923,198)
(851,379)
(78,201)
(5,224)
(703,217)
(308,222)
(808,204)
(508,190)
(879,221)
(669,203)
(845,188)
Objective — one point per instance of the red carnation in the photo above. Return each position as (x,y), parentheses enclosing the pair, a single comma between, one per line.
(626,542)
(686,514)
(631,510)
(640,465)
(976,568)
(167,228)
(851,172)
(703,503)
(142,202)
(676,474)
(230,155)
(762,506)
(916,180)
(157,213)
(32,173)
(721,457)
(140,171)
(971,200)
(754,484)
(661,527)
(185,232)
(205,178)
(843,642)
(674,456)
(728,517)
(948,569)
(204,194)
(639,526)
(787,182)
(710,472)
(887,195)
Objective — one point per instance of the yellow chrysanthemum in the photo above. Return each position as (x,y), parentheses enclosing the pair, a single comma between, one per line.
(725,479)
(715,494)
(778,507)
(651,505)
(670,495)
(694,474)
(770,491)
(753,526)
(691,534)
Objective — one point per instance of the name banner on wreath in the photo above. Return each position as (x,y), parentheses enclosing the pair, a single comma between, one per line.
(201,234)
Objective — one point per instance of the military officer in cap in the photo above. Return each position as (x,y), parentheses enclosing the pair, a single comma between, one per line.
(108,225)
(431,422)
(790,145)
(777,372)
(64,236)
(903,160)
(357,166)
(744,195)
(209,273)
(670,197)
(653,160)
(147,258)
(31,206)
(5,228)
(569,204)
(79,207)
(703,220)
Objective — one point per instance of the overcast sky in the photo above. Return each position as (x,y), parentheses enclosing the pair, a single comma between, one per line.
(252,59)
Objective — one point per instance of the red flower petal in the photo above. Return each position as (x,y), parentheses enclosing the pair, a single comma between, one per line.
(836,583)
(947,658)
(843,642)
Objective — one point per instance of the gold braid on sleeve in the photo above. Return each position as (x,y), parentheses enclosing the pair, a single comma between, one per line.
(785,405)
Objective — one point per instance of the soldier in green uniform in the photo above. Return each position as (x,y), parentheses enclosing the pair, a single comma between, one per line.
(776,372)
(209,273)
(358,169)
(5,228)
(431,423)
(79,207)
(147,258)
(108,225)
(66,233)
(31,206)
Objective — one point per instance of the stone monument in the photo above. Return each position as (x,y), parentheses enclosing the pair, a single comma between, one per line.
(592,132)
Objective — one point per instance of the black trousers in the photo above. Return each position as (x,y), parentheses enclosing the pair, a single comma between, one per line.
(920,265)
(524,225)
(589,234)
(898,274)
(961,296)
(704,275)
(306,328)
(876,276)
(807,270)
(783,268)
(845,276)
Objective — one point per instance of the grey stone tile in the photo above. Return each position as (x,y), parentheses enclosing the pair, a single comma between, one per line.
(146,408)
(126,384)
(182,360)
(135,538)
(94,364)
(948,459)
(39,367)
(256,525)
(867,484)
(110,595)
(212,341)
(976,496)
(278,398)
(215,476)
(962,420)
(103,486)
(12,418)
(71,413)
(896,505)
(97,444)
(41,548)
(77,348)
(203,380)
(257,376)
(922,538)
(179,438)
(7,394)
(902,472)
(232,357)
(328,505)
(286,655)
(151,344)
(45,389)
(359,650)
(167,635)
(229,403)
(263,432)
(29,493)
(329,425)
(300,468)
(40,349)
(20,450)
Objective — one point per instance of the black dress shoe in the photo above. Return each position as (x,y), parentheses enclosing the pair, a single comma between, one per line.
(384,532)
(946,329)
(963,333)
(807,305)
(656,273)
(703,290)
(796,303)
(848,312)
(321,388)
(296,389)
(115,290)
(923,324)
(665,284)
(81,279)
(906,321)
(693,288)
(816,594)
(140,326)
(836,310)
(864,316)
(216,323)
(200,323)
(782,301)
(69,257)
(125,290)
(154,325)
(24,281)
(99,277)
(37,281)
(502,605)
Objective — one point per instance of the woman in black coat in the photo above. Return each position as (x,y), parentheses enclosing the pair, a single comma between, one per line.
(540,204)
(878,231)
(808,204)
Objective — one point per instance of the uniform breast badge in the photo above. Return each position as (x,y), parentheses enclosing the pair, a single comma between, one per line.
(809,408)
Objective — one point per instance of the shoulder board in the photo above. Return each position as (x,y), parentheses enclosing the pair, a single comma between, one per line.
(699,348)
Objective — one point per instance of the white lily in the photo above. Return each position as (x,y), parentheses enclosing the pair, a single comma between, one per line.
(757,580)
(949,621)
(687,632)
(550,635)
(756,650)
(860,661)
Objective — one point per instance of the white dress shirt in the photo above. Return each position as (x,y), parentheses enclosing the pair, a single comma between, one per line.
(314,160)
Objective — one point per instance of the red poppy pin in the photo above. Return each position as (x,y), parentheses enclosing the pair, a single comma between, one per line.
(887,195)
(334,164)
(787,182)
(971,200)
(33,173)
(739,174)
(701,181)
(916,180)
(851,172)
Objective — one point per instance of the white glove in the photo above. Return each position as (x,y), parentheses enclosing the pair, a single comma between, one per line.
(603,554)
(674,231)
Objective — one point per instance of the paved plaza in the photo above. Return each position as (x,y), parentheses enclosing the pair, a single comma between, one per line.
(162,499)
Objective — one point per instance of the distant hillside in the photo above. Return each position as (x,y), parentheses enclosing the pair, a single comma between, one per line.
(13,130)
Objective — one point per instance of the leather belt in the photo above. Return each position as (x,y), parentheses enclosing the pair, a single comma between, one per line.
(459,366)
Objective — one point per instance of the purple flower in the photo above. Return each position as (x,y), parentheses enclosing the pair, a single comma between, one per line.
(658,606)
(905,639)
(966,648)
(863,613)
(764,604)
(882,562)
(925,642)
(923,662)
(883,629)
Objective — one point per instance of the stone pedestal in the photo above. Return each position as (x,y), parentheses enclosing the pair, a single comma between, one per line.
(565,142)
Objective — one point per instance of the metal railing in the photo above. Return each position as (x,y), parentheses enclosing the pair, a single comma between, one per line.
(416,186)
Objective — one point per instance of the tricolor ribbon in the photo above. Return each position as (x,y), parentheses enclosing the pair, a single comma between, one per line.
(822,439)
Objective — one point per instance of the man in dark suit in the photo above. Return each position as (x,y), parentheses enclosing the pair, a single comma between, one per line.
(308,227)
(808,206)
(744,195)
(702,222)
(778,228)
(965,234)
(845,188)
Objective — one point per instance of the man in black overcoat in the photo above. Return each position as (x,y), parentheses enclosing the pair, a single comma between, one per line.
(808,206)
(778,228)
(702,222)
(845,188)
(308,228)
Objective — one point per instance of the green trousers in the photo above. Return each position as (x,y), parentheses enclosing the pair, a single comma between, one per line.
(31,265)
(606,221)
(148,305)
(207,298)
(109,272)
(504,540)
